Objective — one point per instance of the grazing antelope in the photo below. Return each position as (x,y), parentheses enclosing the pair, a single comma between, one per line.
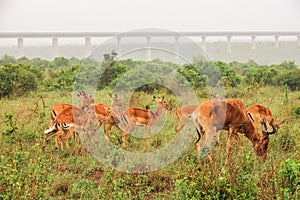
(108,115)
(213,116)
(86,101)
(260,114)
(73,119)
(142,117)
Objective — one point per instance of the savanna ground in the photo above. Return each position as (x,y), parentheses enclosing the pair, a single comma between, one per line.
(28,172)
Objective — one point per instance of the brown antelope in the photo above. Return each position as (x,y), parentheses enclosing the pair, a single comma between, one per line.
(184,113)
(260,114)
(108,115)
(73,119)
(54,111)
(142,117)
(213,116)
(86,101)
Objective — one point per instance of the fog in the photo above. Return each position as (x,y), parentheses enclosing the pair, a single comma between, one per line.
(120,15)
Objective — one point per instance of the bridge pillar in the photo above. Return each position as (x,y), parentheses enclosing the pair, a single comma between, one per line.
(276,41)
(253,47)
(119,45)
(203,43)
(148,58)
(229,44)
(298,40)
(55,47)
(88,47)
(176,48)
(20,48)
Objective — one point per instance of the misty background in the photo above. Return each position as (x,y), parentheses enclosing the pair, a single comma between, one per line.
(121,16)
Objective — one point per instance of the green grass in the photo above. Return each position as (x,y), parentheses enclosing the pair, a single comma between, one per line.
(28,172)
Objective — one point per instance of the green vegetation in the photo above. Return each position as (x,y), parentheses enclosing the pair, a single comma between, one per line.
(21,76)
(28,88)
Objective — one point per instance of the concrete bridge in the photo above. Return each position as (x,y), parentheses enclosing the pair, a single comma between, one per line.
(88,36)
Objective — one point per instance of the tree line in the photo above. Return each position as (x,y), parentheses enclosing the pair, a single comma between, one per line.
(21,76)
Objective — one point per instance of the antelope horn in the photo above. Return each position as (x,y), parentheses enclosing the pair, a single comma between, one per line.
(266,132)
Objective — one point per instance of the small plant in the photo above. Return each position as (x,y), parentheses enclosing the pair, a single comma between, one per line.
(287,142)
(11,125)
(289,178)
(297,111)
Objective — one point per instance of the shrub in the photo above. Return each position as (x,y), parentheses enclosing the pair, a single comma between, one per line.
(289,178)
(60,62)
(229,77)
(17,79)
(112,71)
(190,76)
(63,80)
(291,78)
(261,76)
(287,142)
(286,65)
(201,74)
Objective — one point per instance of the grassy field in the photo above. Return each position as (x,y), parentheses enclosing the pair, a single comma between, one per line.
(27,172)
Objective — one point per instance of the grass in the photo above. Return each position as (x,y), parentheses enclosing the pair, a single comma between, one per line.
(28,172)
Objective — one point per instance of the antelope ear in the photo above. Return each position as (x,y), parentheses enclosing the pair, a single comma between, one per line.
(163,98)
(154,97)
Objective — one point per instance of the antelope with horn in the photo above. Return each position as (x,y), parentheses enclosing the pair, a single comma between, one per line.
(213,116)
(263,115)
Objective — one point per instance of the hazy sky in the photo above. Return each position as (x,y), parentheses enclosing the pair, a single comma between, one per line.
(126,15)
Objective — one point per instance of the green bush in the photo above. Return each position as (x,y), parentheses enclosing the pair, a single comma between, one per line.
(291,78)
(261,76)
(17,79)
(201,74)
(147,78)
(62,80)
(88,76)
(112,71)
(190,76)
(286,65)
(229,77)
(289,178)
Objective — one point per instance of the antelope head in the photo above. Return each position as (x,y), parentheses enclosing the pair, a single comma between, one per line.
(86,99)
(161,102)
(261,147)
(116,100)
